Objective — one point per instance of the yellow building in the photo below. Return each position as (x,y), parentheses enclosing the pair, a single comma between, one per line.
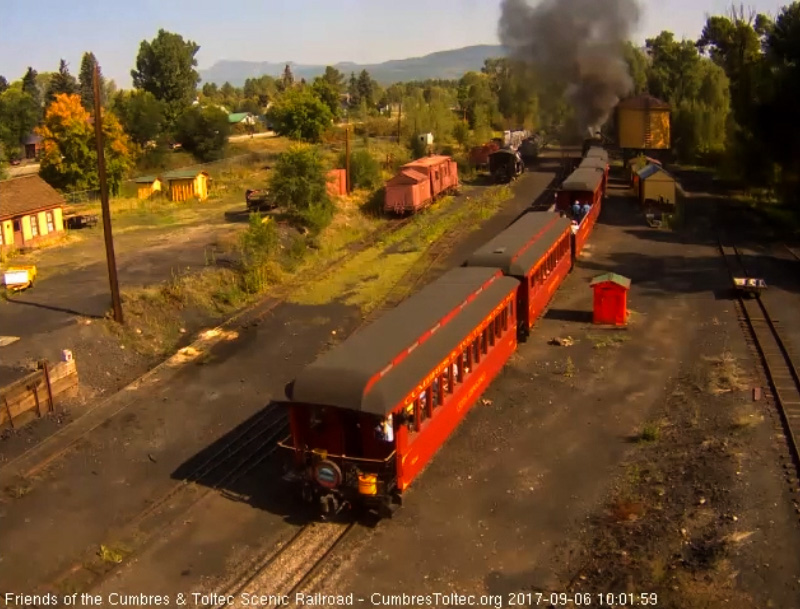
(656,184)
(147,186)
(31,211)
(643,123)
(185,184)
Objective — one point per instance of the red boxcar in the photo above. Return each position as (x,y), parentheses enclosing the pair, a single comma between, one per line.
(536,249)
(369,415)
(479,155)
(406,192)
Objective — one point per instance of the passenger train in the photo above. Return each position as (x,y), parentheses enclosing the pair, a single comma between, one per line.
(368,416)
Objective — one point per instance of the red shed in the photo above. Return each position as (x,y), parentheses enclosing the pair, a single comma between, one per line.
(337,182)
(408,191)
(611,299)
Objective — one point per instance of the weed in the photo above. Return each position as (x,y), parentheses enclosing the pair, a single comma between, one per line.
(569,368)
(725,375)
(609,340)
(650,433)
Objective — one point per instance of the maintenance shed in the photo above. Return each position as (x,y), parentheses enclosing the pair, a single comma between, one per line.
(656,184)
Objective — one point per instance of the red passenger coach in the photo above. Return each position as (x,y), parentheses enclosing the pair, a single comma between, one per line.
(600,165)
(369,415)
(536,250)
(583,186)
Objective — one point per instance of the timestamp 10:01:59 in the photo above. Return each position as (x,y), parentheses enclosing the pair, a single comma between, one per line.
(584,599)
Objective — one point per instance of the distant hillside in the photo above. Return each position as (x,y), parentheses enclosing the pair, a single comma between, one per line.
(444,64)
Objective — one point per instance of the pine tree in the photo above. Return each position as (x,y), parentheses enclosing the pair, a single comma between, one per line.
(86,79)
(288,77)
(29,85)
(62,82)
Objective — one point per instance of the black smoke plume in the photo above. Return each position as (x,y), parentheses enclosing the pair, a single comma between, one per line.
(575,43)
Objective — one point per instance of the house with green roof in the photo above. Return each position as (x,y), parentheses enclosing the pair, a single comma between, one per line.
(242,118)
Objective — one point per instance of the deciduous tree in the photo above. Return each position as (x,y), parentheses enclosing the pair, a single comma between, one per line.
(141,115)
(299,182)
(300,115)
(203,131)
(3,84)
(165,67)
(19,114)
(69,160)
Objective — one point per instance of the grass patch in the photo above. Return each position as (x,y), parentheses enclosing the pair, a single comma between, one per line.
(367,279)
(569,368)
(725,375)
(601,341)
(649,433)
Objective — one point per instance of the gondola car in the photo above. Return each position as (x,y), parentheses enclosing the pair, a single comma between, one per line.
(505,165)
(369,415)
(536,251)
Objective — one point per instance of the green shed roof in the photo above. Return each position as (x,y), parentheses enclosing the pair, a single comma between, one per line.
(612,278)
(237,117)
(183,174)
(146,180)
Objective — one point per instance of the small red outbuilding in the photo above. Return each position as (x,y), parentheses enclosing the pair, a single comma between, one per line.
(611,299)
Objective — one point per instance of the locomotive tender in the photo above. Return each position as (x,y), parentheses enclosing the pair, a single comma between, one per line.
(368,416)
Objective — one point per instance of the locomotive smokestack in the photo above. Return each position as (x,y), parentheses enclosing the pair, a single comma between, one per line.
(577,43)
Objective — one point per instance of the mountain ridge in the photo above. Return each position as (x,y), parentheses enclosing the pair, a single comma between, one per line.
(448,64)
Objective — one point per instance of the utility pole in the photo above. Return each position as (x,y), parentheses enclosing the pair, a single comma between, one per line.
(101,170)
(347,156)
(399,116)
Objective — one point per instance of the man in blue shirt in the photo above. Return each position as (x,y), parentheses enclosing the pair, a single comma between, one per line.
(576,211)
(585,210)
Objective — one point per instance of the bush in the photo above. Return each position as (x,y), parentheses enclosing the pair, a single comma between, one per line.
(257,245)
(365,170)
(299,182)
(300,115)
(417,147)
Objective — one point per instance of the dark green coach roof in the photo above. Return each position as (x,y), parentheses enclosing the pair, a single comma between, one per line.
(517,249)
(593,162)
(583,179)
(341,376)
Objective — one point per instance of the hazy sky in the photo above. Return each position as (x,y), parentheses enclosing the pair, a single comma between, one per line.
(40,32)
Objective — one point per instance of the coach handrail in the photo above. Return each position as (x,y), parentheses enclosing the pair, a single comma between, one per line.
(285,443)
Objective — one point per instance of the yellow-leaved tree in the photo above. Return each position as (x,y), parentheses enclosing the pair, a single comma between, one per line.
(69,159)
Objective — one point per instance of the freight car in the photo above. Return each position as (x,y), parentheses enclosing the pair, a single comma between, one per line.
(505,165)
(420,183)
(479,155)
(369,415)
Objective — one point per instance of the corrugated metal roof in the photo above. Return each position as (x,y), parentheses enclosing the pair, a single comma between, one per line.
(518,248)
(344,377)
(146,179)
(650,170)
(612,278)
(583,180)
(183,174)
(237,117)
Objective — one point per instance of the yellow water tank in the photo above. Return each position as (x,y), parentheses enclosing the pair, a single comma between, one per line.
(368,484)
(643,123)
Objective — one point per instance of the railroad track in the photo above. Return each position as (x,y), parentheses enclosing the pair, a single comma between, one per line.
(291,570)
(777,362)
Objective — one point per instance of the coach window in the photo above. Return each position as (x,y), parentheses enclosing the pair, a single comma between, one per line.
(490,333)
(476,347)
(460,364)
(484,341)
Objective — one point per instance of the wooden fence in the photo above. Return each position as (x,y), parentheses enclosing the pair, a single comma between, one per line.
(34,395)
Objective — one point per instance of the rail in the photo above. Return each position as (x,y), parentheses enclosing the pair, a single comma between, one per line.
(775,357)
